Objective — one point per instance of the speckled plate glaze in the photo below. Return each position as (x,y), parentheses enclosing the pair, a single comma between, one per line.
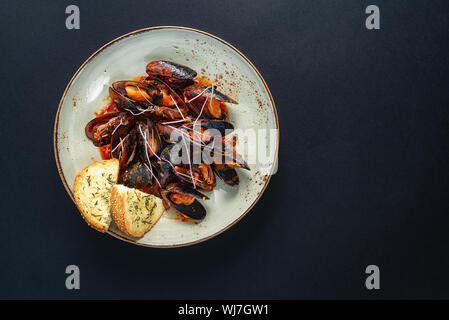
(126,57)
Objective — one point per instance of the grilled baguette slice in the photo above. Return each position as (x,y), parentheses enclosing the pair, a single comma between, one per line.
(93,191)
(134,211)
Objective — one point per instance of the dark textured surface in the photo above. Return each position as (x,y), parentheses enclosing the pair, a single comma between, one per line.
(364,159)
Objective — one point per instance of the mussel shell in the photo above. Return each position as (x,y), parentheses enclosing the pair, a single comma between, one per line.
(192,91)
(187,190)
(136,176)
(122,130)
(220,126)
(167,154)
(237,162)
(118,94)
(170,69)
(195,210)
(232,159)
(228,175)
(169,134)
(92,126)
(165,167)
(142,147)
(122,101)
(190,191)
(204,183)
(126,152)
(165,172)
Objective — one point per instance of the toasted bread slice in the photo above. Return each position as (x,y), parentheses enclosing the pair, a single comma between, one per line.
(93,191)
(134,211)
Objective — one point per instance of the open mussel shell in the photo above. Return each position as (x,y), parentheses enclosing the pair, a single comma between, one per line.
(165,166)
(206,92)
(207,101)
(219,96)
(204,176)
(195,210)
(149,142)
(121,129)
(171,134)
(227,174)
(121,100)
(217,127)
(231,160)
(92,124)
(125,149)
(237,162)
(133,95)
(187,190)
(165,172)
(100,129)
(169,158)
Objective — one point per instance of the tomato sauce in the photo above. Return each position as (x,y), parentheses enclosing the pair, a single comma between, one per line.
(109,108)
(105,152)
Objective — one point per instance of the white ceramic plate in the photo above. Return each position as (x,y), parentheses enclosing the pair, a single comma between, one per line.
(126,57)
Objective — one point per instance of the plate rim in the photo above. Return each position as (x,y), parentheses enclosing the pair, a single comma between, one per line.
(61,101)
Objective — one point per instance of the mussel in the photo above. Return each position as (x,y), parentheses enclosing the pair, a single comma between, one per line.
(200,175)
(202,131)
(102,129)
(125,149)
(135,96)
(172,73)
(183,198)
(227,174)
(208,101)
(137,175)
(149,141)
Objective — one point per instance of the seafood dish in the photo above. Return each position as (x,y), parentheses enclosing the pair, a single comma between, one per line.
(170,132)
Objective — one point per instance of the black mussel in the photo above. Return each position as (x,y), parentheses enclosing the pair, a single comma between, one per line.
(171,133)
(206,92)
(208,102)
(235,160)
(92,125)
(102,129)
(202,174)
(218,128)
(122,129)
(172,73)
(165,166)
(125,150)
(195,210)
(136,176)
(148,143)
(135,96)
(227,174)
(183,198)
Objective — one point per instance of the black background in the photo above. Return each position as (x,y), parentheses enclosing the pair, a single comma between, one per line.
(363,164)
